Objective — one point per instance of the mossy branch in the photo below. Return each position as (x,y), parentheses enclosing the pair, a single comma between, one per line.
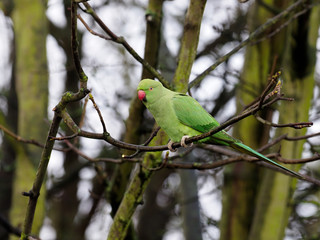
(68,97)
(129,195)
(189,44)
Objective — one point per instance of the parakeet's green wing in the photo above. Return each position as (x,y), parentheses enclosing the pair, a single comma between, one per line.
(190,113)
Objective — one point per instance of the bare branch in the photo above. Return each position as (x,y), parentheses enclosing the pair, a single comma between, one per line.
(203,166)
(162,165)
(75,51)
(292,125)
(60,108)
(254,35)
(273,80)
(5,224)
(303,137)
(41,172)
(95,160)
(29,141)
(153,134)
(90,30)
(20,139)
(301,160)
(141,148)
(286,23)
(125,44)
(212,165)
(98,111)
(64,137)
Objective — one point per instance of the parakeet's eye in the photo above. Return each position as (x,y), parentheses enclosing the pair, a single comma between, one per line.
(150,88)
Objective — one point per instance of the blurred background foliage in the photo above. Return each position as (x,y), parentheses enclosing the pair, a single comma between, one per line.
(80,198)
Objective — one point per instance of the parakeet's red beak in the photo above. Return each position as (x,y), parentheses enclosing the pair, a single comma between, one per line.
(142,95)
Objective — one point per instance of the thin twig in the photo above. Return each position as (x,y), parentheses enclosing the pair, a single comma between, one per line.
(64,137)
(40,176)
(7,226)
(203,166)
(212,165)
(125,44)
(233,120)
(266,94)
(253,35)
(140,148)
(95,160)
(19,138)
(162,165)
(303,137)
(152,136)
(301,160)
(27,141)
(98,111)
(286,23)
(75,48)
(146,143)
(91,31)
(299,125)
(272,143)
(276,90)
(108,138)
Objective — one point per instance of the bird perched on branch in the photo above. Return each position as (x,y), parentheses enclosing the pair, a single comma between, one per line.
(181,116)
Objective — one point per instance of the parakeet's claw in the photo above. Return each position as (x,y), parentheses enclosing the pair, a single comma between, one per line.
(183,141)
(170,146)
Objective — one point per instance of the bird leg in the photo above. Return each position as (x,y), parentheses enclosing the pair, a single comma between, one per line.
(170,146)
(183,141)
(183,144)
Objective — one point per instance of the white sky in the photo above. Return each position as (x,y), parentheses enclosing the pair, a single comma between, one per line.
(104,67)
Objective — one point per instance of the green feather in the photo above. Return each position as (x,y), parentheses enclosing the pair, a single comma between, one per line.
(245,149)
(179,115)
(191,113)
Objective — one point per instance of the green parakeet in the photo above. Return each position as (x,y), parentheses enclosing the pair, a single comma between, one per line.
(181,116)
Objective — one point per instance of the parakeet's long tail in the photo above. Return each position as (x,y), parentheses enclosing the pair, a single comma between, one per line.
(245,149)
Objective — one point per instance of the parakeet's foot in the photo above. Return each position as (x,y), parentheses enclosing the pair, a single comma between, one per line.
(170,146)
(183,141)
(183,144)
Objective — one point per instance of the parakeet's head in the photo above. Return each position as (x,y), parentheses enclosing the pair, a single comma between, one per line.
(149,90)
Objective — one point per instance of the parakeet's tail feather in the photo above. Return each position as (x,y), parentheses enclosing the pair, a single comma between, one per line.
(245,149)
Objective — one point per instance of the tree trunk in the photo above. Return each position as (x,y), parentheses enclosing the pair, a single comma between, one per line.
(275,199)
(67,200)
(8,150)
(30,26)
(258,205)
(134,121)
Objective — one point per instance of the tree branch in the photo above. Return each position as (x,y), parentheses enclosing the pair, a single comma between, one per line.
(90,30)
(145,148)
(95,160)
(125,44)
(46,153)
(19,138)
(292,125)
(142,148)
(41,171)
(254,35)
(189,44)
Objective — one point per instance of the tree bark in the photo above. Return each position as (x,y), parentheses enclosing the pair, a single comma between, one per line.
(30,27)
(259,206)
(275,199)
